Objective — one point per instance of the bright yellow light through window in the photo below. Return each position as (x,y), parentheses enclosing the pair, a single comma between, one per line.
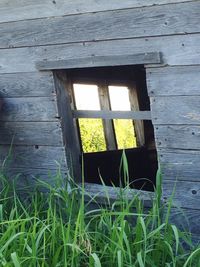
(124,129)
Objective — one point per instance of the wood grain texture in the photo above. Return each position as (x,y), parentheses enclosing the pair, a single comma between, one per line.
(186,193)
(26,84)
(101,61)
(42,157)
(175,110)
(107,115)
(100,193)
(187,220)
(177,136)
(185,51)
(31,133)
(151,21)
(71,141)
(29,109)
(180,164)
(138,124)
(32,9)
(180,80)
(28,178)
(108,125)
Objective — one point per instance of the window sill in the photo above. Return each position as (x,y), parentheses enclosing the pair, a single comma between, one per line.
(107,194)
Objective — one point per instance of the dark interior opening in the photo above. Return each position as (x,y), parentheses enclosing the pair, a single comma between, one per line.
(142,160)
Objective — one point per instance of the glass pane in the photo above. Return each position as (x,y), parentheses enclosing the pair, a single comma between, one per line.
(86,97)
(119,98)
(124,129)
(92,135)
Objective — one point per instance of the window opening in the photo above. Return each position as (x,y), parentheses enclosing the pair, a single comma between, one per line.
(104,102)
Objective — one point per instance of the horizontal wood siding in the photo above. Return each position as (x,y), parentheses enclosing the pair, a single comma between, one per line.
(180,164)
(176,110)
(186,193)
(28,178)
(150,21)
(180,80)
(185,51)
(178,136)
(26,84)
(186,220)
(40,157)
(31,133)
(29,109)
(32,9)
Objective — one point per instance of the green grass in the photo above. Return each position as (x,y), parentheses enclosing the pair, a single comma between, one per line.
(60,229)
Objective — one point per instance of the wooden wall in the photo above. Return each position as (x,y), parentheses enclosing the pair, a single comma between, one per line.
(37,30)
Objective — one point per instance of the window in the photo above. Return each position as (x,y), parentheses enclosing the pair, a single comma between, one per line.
(108,111)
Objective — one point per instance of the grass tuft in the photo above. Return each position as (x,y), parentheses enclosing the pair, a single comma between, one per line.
(59,229)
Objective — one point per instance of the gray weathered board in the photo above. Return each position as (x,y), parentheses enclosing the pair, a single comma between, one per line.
(180,164)
(101,194)
(29,109)
(175,110)
(185,51)
(107,115)
(178,136)
(27,84)
(33,9)
(101,61)
(186,220)
(180,80)
(186,193)
(27,178)
(31,133)
(41,157)
(181,18)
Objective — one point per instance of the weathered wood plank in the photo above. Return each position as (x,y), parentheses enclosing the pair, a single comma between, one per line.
(176,110)
(138,125)
(186,219)
(107,115)
(185,51)
(180,165)
(69,127)
(177,136)
(186,193)
(108,125)
(151,21)
(29,109)
(42,157)
(26,84)
(30,133)
(27,178)
(32,9)
(181,80)
(101,193)
(101,61)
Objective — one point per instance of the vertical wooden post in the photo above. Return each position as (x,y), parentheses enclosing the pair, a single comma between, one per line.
(138,124)
(70,136)
(108,125)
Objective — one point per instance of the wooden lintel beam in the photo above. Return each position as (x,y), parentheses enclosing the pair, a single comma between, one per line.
(101,61)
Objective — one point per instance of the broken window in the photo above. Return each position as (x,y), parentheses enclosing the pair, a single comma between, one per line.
(111,113)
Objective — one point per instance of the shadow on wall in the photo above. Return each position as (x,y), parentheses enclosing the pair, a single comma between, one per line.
(4,134)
